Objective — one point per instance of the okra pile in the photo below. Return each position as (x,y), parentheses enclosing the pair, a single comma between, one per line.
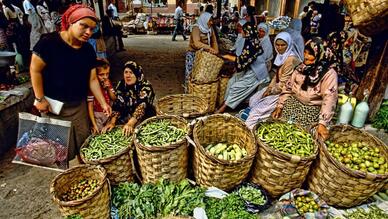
(287,138)
(358,156)
(226,151)
(80,190)
(106,145)
(159,133)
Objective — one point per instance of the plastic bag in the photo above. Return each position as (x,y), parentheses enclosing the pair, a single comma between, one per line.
(288,208)
(251,207)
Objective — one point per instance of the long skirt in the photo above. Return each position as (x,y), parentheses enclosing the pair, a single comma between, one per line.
(77,114)
(261,108)
(297,112)
(190,56)
(240,86)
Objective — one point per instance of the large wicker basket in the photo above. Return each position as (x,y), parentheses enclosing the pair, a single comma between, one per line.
(119,167)
(211,171)
(207,91)
(185,105)
(369,16)
(94,206)
(339,185)
(279,172)
(223,83)
(168,161)
(206,67)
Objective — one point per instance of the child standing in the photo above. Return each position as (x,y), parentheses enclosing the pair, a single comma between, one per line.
(96,115)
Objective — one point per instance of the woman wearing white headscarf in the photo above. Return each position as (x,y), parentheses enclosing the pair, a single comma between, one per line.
(239,44)
(202,37)
(263,103)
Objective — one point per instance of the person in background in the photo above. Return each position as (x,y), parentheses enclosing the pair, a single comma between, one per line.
(110,29)
(112,6)
(311,94)
(263,103)
(3,28)
(134,99)
(63,68)
(28,7)
(37,28)
(98,43)
(202,37)
(14,28)
(243,8)
(251,69)
(315,22)
(304,12)
(44,13)
(96,114)
(240,41)
(178,18)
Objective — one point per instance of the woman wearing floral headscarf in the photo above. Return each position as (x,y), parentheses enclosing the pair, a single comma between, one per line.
(135,96)
(202,37)
(251,68)
(310,96)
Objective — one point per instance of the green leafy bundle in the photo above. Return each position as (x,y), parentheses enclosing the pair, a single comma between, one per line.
(380,121)
(230,207)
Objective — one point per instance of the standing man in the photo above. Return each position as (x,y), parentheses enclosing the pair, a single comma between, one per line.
(113,7)
(178,18)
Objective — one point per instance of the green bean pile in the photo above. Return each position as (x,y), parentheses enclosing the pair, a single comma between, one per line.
(106,145)
(287,138)
(159,133)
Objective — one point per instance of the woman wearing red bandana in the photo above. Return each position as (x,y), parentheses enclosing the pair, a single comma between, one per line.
(63,68)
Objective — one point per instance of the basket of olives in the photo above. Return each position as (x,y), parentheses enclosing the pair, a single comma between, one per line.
(352,166)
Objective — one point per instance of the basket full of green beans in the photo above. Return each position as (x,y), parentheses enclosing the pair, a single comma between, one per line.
(162,148)
(285,154)
(112,150)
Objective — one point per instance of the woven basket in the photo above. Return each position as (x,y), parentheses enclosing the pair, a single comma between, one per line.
(370,16)
(207,91)
(211,171)
(187,106)
(223,83)
(339,185)
(119,167)
(94,206)
(206,67)
(168,161)
(279,172)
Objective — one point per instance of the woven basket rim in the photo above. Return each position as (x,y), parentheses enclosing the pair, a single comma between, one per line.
(213,158)
(344,168)
(106,159)
(162,147)
(180,96)
(102,173)
(281,154)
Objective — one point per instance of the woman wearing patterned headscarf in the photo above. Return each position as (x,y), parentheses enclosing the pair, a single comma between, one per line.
(251,68)
(135,97)
(310,96)
(263,103)
(63,68)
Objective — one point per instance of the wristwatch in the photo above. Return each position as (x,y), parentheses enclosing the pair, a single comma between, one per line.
(39,99)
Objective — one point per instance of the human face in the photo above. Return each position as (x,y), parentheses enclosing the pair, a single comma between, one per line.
(281,46)
(83,29)
(261,33)
(309,59)
(129,77)
(102,74)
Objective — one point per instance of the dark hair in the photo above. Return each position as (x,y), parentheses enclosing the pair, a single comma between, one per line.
(312,3)
(102,63)
(8,4)
(201,8)
(209,9)
(109,12)
(306,8)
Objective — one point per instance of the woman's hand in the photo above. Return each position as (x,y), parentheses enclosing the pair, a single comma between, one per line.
(229,57)
(95,130)
(42,106)
(212,51)
(277,113)
(106,109)
(128,129)
(266,93)
(322,132)
(108,127)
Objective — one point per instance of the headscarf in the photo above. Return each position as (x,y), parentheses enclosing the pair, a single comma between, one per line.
(251,50)
(324,60)
(259,66)
(294,29)
(137,71)
(281,58)
(202,24)
(75,13)
(265,42)
(240,41)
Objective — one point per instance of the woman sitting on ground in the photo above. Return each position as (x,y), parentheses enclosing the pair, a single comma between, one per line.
(134,99)
(310,96)
(264,101)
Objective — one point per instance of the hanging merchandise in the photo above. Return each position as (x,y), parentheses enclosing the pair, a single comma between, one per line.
(18,59)
(361,112)
(346,111)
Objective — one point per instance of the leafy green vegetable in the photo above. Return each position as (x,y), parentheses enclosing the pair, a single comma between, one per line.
(230,207)
(380,121)
(154,201)
(252,195)
(74,216)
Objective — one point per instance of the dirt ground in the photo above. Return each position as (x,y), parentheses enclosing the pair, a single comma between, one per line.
(24,191)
